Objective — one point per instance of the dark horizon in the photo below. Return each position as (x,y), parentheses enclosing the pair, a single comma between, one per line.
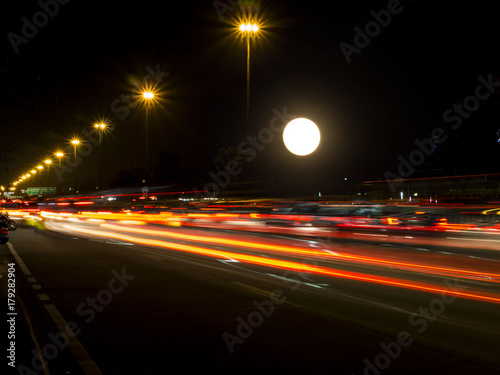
(395,92)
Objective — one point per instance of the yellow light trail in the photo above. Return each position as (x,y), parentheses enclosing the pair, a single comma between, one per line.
(283,264)
(292,249)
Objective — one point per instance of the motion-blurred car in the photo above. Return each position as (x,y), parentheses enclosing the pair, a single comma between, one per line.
(301,214)
(4,232)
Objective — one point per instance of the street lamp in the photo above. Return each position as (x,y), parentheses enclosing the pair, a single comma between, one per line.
(40,167)
(33,173)
(101,127)
(48,162)
(59,155)
(248,30)
(75,142)
(21,180)
(27,178)
(148,97)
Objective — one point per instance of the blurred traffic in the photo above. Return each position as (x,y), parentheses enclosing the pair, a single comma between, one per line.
(397,245)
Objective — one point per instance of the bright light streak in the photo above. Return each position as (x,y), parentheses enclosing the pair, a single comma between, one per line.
(133,222)
(83,203)
(283,264)
(295,250)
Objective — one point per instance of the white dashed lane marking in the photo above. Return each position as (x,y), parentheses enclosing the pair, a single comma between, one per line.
(85,362)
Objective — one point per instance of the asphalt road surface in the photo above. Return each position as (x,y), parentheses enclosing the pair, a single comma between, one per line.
(140,308)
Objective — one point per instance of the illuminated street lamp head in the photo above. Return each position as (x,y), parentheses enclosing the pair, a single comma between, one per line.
(48,161)
(249,27)
(58,154)
(100,126)
(75,142)
(33,171)
(148,95)
(39,167)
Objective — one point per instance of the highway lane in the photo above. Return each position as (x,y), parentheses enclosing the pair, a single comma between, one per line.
(328,257)
(175,312)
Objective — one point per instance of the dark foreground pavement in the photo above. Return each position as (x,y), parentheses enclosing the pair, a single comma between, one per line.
(141,310)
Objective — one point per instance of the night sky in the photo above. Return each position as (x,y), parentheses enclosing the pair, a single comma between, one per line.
(394,91)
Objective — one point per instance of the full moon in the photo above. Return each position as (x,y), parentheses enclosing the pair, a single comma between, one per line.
(301,136)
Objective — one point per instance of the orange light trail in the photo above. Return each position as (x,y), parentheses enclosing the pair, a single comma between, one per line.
(283,264)
(292,249)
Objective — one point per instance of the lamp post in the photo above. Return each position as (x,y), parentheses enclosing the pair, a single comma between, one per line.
(101,127)
(75,143)
(22,179)
(248,29)
(59,156)
(40,167)
(33,173)
(48,162)
(148,97)
(27,180)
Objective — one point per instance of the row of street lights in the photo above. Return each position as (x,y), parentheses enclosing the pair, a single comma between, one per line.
(33,173)
(247,29)
(75,142)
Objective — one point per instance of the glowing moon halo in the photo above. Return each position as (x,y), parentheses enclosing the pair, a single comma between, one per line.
(301,136)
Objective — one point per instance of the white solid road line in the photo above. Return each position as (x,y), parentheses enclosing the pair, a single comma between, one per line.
(85,362)
(18,259)
(27,273)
